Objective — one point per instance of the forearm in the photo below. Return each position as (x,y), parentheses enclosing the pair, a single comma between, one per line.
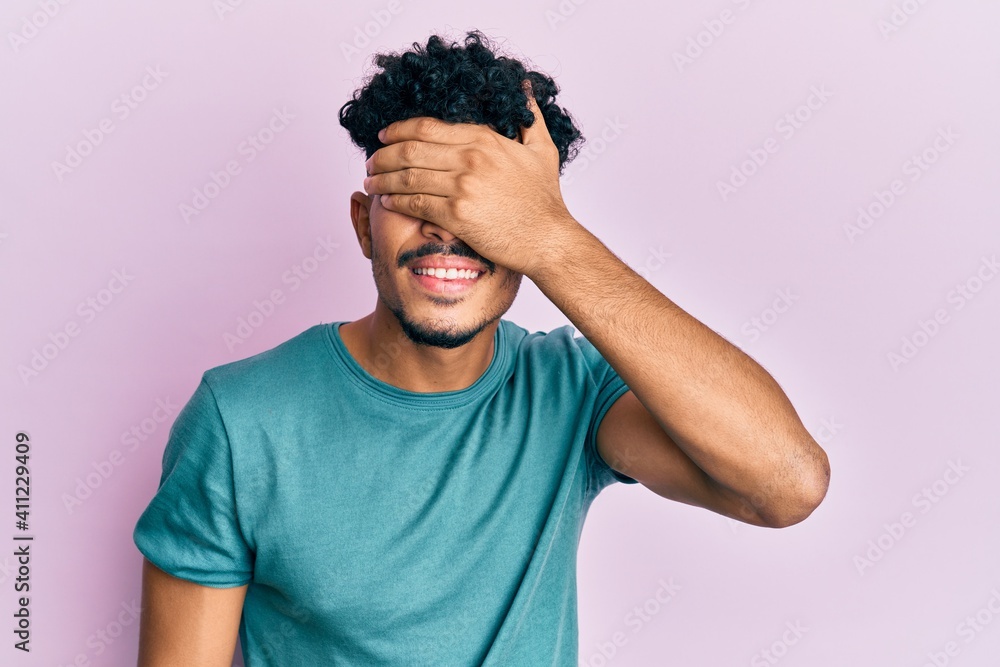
(721,407)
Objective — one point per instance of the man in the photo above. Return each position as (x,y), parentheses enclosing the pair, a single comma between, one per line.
(409,488)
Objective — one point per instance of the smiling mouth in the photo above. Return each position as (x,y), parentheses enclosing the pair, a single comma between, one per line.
(450,281)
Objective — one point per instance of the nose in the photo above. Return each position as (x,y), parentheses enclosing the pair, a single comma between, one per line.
(430,229)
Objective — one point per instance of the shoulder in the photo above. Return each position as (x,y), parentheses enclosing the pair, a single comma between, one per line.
(560,349)
(280,368)
(556,343)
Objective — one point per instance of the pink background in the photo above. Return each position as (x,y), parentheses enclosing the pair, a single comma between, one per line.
(648,187)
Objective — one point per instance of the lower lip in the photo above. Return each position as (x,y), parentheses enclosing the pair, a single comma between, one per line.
(443,286)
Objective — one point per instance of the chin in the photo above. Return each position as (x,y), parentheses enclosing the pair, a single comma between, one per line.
(446,333)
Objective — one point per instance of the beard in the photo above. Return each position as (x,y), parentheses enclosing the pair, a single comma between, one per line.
(442,332)
(439,333)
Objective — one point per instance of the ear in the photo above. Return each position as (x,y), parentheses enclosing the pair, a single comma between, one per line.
(361,205)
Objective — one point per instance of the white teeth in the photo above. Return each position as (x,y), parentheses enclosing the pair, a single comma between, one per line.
(447,274)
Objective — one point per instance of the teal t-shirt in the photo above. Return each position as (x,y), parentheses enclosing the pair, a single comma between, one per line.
(378,526)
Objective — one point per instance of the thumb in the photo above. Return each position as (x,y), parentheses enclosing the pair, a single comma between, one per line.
(538,132)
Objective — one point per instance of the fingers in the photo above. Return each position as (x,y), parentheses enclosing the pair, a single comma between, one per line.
(538,132)
(411,153)
(427,128)
(411,181)
(422,206)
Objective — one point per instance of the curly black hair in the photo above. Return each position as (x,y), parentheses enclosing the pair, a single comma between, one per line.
(456,84)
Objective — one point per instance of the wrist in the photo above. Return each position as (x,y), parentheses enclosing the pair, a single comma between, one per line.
(561,245)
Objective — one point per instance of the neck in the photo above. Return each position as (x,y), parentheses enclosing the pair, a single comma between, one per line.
(379,345)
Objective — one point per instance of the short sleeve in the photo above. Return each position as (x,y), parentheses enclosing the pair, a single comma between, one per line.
(190,527)
(610,387)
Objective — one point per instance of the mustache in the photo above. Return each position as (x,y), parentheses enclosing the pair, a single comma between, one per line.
(446,250)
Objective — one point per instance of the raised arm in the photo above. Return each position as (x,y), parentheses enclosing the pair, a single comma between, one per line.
(184,623)
(707,425)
